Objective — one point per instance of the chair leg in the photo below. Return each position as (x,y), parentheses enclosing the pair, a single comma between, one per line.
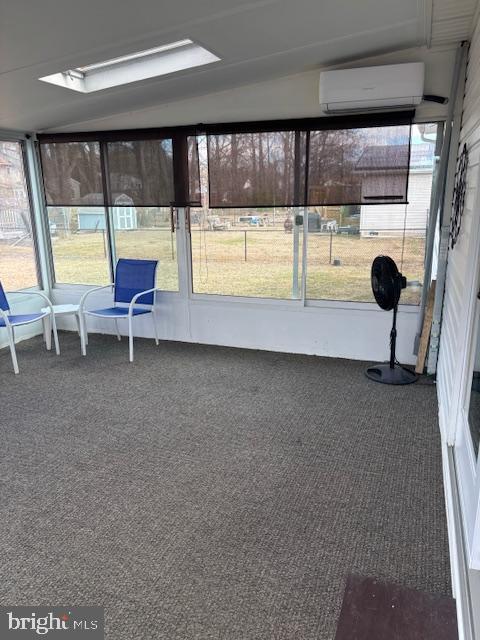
(119,337)
(83,335)
(155,332)
(47,332)
(55,334)
(13,353)
(79,329)
(78,320)
(130,337)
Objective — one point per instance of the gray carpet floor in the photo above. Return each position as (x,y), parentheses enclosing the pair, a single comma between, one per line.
(212,493)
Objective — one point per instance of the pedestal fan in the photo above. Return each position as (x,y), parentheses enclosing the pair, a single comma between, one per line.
(387,284)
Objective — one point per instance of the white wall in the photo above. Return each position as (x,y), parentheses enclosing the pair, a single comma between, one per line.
(358,331)
(453,362)
(460,260)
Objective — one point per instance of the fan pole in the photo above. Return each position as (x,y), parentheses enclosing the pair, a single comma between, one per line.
(393,338)
(391,372)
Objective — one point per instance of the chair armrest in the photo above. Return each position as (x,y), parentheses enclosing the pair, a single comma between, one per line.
(87,293)
(139,295)
(35,293)
(4,315)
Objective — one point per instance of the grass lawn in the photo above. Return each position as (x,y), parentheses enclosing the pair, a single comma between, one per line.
(17,267)
(82,257)
(219,264)
(221,267)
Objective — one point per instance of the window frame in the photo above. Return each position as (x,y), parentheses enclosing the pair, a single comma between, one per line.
(51,258)
(180,136)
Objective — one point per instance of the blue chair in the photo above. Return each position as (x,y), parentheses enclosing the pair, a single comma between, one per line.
(10,321)
(134,285)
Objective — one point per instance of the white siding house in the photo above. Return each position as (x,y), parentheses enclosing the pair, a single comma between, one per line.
(412,217)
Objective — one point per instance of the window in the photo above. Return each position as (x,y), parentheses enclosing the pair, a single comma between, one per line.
(140,172)
(72,173)
(345,239)
(270,202)
(140,65)
(145,233)
(79,242)
(80,245)
(265,187)
(140,177)
(135,179)
(73,185)
(249,251)
(18,267)
(358,165)
(256,169)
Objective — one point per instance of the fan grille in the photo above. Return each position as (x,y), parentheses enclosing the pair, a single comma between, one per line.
(387,282)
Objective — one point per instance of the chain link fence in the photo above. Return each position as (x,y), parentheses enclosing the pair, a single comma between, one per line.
(267,262)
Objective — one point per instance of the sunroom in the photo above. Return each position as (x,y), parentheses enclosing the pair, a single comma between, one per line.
(239,343)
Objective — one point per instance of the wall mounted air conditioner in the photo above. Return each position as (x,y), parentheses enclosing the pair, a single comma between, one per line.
(385,87)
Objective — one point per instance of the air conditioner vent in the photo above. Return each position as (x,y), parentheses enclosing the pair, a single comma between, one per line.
(393,86)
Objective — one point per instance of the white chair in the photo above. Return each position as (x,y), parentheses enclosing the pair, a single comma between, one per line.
(134,286)
(10,321)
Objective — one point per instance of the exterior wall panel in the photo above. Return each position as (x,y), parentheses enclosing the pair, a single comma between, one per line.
(452,342)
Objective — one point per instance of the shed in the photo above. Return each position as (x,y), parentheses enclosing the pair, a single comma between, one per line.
(124,216)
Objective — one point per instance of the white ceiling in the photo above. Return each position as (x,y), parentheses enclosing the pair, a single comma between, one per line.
(256,40)
(452,21)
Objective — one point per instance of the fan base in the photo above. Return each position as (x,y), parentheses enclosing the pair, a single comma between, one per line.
(386,375)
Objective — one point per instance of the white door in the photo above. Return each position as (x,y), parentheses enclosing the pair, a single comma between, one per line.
(124,216)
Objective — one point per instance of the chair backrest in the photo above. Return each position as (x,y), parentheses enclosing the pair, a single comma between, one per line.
(4,306)
(133,276)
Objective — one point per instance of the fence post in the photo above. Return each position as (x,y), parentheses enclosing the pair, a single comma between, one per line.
(331,240)
(245,244)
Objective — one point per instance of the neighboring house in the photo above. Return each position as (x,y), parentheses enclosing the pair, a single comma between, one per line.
(388,218)
(14,210)
(93,218)
(13,224)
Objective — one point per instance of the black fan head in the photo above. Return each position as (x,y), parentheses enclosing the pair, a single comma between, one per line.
(387,282)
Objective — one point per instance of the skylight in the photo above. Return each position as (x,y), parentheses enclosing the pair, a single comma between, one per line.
(141,65)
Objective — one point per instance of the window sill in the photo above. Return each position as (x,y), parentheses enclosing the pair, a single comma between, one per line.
(199,299)
(298,305)
(81,288)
